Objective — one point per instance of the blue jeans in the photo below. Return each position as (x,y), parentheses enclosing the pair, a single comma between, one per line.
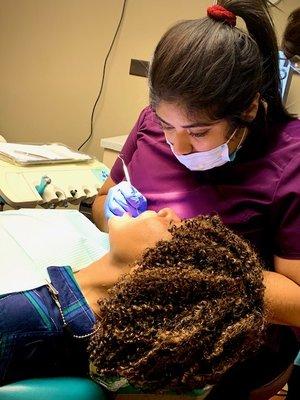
(33,339)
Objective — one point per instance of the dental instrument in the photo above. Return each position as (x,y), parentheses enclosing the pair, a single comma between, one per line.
(125,169)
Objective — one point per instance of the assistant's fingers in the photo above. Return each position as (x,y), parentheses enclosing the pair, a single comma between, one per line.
(118,207)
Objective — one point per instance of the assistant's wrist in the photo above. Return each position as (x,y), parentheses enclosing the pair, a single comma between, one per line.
(98,213)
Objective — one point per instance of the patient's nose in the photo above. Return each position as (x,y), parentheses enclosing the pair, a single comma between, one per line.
(170,214)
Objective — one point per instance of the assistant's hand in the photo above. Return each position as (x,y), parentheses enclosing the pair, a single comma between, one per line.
(124,198)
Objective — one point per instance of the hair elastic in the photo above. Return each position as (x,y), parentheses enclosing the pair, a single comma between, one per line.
(219,13)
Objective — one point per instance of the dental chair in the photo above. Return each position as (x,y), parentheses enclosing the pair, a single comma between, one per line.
(57,388)
(76,388)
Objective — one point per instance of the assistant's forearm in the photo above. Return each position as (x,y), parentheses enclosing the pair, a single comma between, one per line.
(98,213)
(282,299)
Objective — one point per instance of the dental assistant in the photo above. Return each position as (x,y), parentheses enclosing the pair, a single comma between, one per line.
(217,139)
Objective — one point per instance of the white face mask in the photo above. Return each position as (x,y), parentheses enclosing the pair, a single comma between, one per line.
(204,160)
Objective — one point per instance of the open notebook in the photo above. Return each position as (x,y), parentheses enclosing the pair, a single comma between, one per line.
(33,239)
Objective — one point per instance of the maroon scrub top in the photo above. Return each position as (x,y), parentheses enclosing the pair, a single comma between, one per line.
(257,195)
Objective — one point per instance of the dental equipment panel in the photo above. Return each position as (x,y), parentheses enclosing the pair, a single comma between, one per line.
(50,185)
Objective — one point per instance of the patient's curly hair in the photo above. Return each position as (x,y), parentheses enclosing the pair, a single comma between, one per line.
(191,309)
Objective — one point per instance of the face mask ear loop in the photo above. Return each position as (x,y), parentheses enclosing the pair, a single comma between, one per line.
(242,139)
(233,154)
(234,132)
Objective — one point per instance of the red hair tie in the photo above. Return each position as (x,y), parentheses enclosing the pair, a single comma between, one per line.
(219,13)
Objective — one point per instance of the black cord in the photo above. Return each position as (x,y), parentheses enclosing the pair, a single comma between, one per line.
(103,77)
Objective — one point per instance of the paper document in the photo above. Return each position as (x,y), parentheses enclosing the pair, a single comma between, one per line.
(33,239)
(26,154)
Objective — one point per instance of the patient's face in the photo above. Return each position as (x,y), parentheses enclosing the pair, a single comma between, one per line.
(129,237)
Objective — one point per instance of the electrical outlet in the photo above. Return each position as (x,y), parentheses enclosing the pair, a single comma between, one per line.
(139,68)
